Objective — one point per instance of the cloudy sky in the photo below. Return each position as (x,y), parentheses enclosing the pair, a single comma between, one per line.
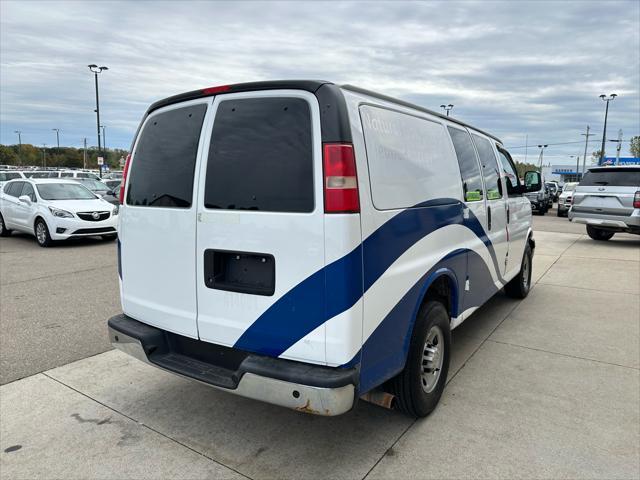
(513,68)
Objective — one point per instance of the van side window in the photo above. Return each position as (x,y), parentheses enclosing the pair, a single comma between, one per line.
(468,162)
(508,171)
(261,156)
(163,165)
(489,167)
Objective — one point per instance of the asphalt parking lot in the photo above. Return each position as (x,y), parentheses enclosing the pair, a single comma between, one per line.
(548,387)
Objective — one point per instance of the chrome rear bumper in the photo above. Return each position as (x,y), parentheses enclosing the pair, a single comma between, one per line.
(328,401)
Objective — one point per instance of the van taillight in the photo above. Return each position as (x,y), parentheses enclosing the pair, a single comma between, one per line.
(340,179)
(636,200)
(124,178)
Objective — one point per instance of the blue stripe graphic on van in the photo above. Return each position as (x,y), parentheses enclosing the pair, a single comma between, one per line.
(292,316)
(384,353)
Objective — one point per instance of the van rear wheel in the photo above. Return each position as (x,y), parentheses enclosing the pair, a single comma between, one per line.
(598,233)
(419,386)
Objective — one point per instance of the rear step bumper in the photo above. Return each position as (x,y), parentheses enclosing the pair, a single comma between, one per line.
(300,386)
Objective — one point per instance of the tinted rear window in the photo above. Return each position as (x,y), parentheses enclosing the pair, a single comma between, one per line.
(615,177)
(261,156)
(163,165)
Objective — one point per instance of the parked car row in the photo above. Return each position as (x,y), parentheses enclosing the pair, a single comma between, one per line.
(55,209)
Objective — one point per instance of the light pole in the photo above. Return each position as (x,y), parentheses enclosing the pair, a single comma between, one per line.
(96,70)
(447,108)
(19,145)
(542,147)
(606,114)
(44,155)
(57,130)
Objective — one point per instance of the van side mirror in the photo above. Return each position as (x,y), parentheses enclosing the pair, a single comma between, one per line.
(532,181)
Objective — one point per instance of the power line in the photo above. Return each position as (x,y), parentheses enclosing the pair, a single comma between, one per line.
(562,143)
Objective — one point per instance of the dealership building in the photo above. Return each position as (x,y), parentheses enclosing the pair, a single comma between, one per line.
(567,173)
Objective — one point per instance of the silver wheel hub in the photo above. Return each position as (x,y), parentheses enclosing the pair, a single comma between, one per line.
(432,359)
(41,233)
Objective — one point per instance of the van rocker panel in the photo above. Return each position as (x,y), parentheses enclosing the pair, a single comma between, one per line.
(309,388)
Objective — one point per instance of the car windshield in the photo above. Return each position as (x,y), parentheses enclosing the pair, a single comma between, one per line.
(94,185)
(64,191)
(569,187)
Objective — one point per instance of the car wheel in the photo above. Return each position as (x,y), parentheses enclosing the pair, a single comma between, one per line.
(519,287)
(599,234)
(560,213)
(3,228)
(419,386)
(110,237)
(42,233)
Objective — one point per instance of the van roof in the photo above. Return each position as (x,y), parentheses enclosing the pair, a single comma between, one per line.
(307,85)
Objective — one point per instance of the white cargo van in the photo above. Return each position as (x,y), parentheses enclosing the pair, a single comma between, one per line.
(304,243)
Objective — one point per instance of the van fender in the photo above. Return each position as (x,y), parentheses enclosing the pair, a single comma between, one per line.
(454,305)
(384,353)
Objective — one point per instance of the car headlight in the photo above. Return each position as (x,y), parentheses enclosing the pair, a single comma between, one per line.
(116,209)
(57,212)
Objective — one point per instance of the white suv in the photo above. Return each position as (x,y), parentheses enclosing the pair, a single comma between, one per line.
(304,243)
(54,209)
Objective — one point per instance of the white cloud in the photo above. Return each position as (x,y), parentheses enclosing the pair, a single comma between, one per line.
(512,68)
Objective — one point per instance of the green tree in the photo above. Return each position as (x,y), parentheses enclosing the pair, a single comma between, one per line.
(635,146)
(521,168)
(595,156)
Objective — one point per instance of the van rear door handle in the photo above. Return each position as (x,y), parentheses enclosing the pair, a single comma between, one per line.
(489,218)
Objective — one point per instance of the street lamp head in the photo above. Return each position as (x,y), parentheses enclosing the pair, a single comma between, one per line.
(104,68)
(450,105)
(613,95)
(603,97)
(92,66)
(443,106)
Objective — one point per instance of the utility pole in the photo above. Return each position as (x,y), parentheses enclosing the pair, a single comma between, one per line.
(84,154)
(19,146)
(619,147)
(577,157)
(586,144)
(606,114)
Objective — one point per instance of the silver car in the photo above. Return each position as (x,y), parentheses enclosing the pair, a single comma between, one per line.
(607,201)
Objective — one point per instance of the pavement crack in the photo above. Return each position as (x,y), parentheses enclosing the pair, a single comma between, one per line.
(143,425)
(563,354)
(58,275)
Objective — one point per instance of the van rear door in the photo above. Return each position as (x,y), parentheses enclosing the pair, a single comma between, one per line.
(260,230)
(157,233)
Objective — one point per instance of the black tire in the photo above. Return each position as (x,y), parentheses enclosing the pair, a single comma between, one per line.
(3,229)
(42,236)
(110,237)
(519,286)
(599,234)
(560,213)
(414,396)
